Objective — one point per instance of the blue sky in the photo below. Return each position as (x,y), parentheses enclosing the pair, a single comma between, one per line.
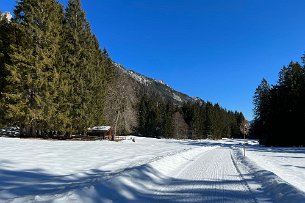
(218,50)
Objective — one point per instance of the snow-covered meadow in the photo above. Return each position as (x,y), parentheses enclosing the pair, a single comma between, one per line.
(149,170)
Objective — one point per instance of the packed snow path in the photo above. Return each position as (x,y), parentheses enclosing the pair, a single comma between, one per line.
(212,177)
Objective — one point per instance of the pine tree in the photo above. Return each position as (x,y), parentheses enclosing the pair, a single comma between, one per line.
(32,75)
(287,98)
(4,45)
(208,122)
(279,111)
(168,122)
(85,68)
(6,39)
(261,101)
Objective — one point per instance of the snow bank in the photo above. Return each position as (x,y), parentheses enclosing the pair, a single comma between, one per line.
(287,163)
(279,190)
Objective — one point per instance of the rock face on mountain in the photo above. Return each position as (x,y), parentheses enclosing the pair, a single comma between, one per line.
(156,87)
(124,94)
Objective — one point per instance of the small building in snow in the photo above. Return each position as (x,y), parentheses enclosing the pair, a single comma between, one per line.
(102,132)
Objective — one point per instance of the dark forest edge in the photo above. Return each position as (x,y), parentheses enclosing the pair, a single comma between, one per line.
(280,109)
(55,79)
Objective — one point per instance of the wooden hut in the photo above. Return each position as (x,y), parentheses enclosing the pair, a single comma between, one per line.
(102,132)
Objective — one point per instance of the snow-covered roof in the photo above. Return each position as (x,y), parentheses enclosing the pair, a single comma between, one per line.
(100,128)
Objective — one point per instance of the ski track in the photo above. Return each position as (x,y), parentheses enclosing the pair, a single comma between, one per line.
(212,177)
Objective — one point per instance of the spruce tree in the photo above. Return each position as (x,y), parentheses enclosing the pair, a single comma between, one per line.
(279,110)
(208,122)
(261,101)
(85,69)
(32,74)
(6,39)
(4,45)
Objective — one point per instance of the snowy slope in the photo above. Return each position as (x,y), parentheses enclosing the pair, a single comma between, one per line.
(148,170)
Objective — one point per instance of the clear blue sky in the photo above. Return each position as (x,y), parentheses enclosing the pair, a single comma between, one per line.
(218,50)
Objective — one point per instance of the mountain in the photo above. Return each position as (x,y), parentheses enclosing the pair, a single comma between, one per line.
(157,87)
(125,93)
(139,104)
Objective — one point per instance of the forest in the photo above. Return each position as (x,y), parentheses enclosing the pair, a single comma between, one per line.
(192,120)
(280,109)
(56,79)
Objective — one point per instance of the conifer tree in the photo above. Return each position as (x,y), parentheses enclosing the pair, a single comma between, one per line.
(167,124)
(6,39)
(32,75)
(84,63)
(279,110)
(208,122)
(261,101)
(4,45)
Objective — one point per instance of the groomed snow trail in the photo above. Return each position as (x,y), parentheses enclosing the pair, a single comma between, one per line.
(211,177)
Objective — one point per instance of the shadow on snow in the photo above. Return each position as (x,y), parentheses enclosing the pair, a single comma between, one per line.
(139,184)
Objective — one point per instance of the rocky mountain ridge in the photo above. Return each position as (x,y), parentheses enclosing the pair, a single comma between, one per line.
(157,87)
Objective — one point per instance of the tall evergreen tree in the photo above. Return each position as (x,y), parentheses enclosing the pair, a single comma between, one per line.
(261,101)
(29,94)
(6,39)
(279,110)
(208,122)
(85,65)
(261,98)
(5,29)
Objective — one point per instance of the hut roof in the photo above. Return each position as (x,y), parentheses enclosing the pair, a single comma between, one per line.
(100,128)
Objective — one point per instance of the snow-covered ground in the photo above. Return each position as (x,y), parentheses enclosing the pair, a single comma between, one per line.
(287,163)
(149,170)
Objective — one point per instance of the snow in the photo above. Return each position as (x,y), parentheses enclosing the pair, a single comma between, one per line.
(287,163)
(177,98)
(100,128)
(276,188)
(140,78)
(161,82)
(8,16)
(148,170)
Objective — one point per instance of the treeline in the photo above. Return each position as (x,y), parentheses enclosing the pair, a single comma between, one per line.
(280,108)
(52,71)
(158,118)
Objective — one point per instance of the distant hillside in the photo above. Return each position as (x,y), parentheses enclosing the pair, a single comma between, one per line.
(156,87)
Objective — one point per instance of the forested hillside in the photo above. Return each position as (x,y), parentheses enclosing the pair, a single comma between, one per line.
(55,79)
(280,108)
(151,108)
